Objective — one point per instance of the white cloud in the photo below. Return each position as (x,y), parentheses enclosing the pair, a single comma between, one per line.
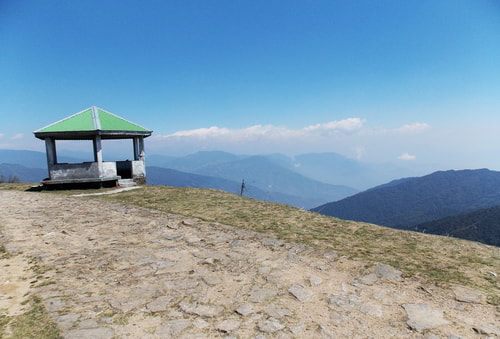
(18,136)
(349,124)
(413,128)
(270,131)
(351,137)
(201,132)
(2,135)
(407,156)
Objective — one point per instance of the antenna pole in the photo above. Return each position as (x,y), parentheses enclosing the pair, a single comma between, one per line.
(243,187)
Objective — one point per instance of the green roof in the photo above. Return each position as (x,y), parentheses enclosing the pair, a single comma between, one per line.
(92,119)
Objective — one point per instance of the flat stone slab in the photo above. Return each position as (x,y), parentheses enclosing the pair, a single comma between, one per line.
(258,295)
(201,310)
(388,272)
(369,279)
(54,304)
(160,304)
(91,333)
(270,325)
(344,301)
(211,280)
(126,305)
(423,317)
(301,293)
(228,325)
(200,323)
(88,323)
(172,328)
(468,295)
(372,309)
(278,312)
(315,280)
(67,321)
(245,309)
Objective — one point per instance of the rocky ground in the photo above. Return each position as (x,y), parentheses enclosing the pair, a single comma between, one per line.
(108,270)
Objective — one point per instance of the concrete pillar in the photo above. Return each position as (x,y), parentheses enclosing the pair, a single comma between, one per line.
(98,153)
(137,152)
(142,156)
(50,149)
(141,145)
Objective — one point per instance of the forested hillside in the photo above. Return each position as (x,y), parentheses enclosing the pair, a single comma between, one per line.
(416,200)
(482,225)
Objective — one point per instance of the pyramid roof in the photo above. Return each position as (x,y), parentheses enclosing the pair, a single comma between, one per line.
(91,122)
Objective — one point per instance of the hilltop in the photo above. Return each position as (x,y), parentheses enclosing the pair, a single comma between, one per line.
(165,261)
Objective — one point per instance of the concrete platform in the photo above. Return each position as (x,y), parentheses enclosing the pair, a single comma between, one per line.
(80,183)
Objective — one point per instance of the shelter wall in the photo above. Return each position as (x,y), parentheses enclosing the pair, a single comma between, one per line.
(74,171)
(138,171)
(82,170)
(109,169)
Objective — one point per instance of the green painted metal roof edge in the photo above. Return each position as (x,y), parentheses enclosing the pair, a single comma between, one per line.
(141,128)
(96,123)
(41,130)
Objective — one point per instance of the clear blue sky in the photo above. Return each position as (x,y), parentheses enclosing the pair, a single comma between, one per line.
(422,78)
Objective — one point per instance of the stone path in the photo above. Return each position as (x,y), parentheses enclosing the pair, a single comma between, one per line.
(126,272)
(118,190)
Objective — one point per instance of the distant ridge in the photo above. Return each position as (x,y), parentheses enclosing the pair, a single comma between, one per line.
(25,174)
(32,159)
(482,225)
(269,173)
(406,203)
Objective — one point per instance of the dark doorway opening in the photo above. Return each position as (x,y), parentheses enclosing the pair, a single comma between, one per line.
(124,169)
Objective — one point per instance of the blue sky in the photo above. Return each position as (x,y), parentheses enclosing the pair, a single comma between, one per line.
(411,82)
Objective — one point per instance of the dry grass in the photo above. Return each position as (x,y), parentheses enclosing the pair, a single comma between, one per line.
(23,186)
(33,324)
(4,254)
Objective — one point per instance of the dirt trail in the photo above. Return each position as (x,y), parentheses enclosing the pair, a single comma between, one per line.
(118,271)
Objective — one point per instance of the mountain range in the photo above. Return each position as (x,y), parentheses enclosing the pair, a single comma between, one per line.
(267,173)
(267,177)
(330,168)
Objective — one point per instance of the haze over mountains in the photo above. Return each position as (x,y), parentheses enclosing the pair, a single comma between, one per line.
(270,177)
(270,173)
(330,168)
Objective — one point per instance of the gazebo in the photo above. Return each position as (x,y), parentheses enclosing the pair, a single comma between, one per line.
(94,124)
